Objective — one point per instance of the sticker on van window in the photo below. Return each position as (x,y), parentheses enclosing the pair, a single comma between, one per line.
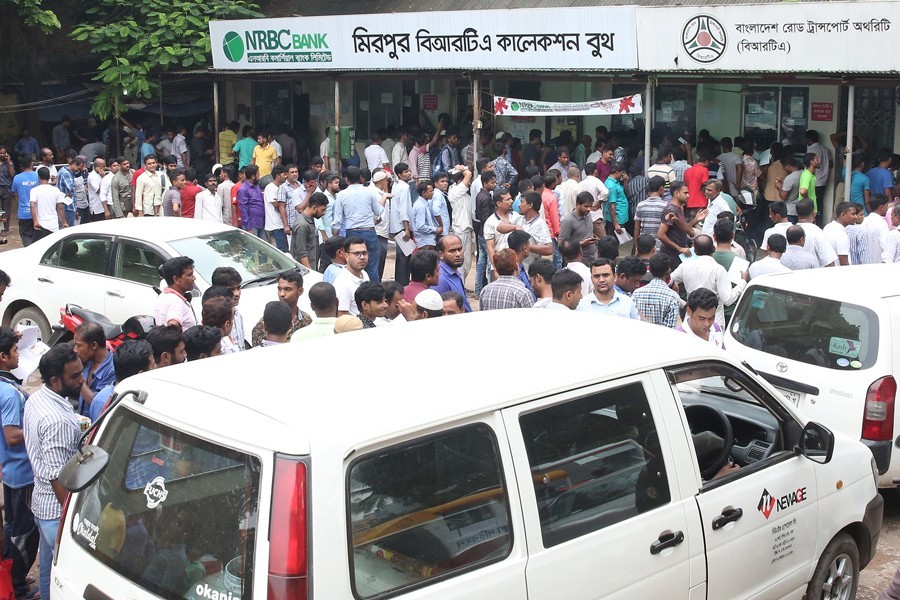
(156,492)
(844,347)
(855,364)
(85,529)
(758,301)
(843,362)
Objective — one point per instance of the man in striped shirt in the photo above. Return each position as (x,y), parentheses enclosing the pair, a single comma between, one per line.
(51,438)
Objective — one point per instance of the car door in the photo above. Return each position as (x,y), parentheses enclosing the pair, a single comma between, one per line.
(603,515)
(73,271)
(135,275)
(760,520)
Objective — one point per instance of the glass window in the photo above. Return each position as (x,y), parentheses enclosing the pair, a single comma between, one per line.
(594,461)
(90,255)
(761,115)
(794,117)
(173,513)
(426,510)
(814,330)
(254,259)
(138,264)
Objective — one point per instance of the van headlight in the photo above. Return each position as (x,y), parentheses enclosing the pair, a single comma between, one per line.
(874,471)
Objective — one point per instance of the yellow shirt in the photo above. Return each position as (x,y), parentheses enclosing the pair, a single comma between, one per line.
(227,140)
(264,158)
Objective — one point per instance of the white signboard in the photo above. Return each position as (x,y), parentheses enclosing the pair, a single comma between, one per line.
(543,39)
(517,107)
(833,37)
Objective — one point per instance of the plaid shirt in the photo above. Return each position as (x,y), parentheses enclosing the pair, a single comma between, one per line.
(51,438)
(658,303)
(507,292)
(65,181)
(505,172)
(290,196)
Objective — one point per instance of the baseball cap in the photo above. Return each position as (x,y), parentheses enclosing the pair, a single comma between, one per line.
(499,135)
(347,323)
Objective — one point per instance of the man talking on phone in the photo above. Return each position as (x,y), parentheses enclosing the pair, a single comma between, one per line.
(578,227)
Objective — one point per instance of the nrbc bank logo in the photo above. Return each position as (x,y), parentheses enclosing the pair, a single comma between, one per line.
(233,46)
(704,39)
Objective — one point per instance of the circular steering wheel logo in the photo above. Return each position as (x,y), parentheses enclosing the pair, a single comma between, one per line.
(704,39)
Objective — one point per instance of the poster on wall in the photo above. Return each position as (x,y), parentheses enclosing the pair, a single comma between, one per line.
(518,107)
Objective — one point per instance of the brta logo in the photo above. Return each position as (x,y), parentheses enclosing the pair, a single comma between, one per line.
(704,39)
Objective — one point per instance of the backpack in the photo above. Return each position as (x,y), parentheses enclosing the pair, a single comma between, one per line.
(438,164)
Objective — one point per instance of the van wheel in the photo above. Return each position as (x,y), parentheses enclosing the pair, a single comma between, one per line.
(837,574)
(31,316)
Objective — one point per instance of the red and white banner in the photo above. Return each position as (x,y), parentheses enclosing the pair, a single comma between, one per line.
(516,107)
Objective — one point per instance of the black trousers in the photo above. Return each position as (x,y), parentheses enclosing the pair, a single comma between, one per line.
(20,534)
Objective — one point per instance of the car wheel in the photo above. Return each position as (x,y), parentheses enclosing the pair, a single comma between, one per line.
(837,574)
(31,316)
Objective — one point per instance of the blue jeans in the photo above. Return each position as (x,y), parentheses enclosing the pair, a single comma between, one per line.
(278,239)
(481,264)
(48,529)
(557,257)
(373,247)
(259,232)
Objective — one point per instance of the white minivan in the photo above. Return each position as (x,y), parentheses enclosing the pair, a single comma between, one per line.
(401,468)
(827,339)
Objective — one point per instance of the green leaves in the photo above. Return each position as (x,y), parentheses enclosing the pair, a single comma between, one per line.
(147,38)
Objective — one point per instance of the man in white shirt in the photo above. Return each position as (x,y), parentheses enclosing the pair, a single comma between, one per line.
(325,149)
(351,276)
(836,234)
(106,188)
(399,153)
(874,222)
(541,243)
(375,155)
(223,190)
(47,205)
(179,148)
(596,188)
(705,272)
(772,261)
(815,243)
(208,204)
(95,202)
(461,219)
(279,153)
(717,204)
(173,305)
(276,223)
(891,252)
(778,213)
(148,189)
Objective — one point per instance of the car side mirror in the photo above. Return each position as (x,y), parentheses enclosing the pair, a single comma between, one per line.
(817,443)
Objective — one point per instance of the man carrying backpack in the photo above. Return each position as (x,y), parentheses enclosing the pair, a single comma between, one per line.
(449,156)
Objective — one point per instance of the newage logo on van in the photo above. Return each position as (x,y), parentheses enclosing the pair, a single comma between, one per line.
(769,503)
(156,492)
(277,46)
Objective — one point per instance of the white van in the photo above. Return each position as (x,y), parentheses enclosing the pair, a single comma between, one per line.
(407,474)
(826,338)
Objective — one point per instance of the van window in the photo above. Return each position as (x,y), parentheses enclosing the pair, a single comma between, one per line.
(426,510)
(814,330)
(595,461)
(173,513)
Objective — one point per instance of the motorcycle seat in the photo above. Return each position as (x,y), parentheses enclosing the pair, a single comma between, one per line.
(110,329)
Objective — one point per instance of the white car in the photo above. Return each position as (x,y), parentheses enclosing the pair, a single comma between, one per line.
(111,267)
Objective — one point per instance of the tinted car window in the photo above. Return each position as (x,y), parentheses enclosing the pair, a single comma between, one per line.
(818,331)
(90,255)
(595,461)
(427,510)
(138,264)
(173,513)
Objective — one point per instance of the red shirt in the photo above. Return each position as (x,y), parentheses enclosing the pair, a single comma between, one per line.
(411,290)
(188,197)
(695,177)
(551,211)
(235,206)
(137,173)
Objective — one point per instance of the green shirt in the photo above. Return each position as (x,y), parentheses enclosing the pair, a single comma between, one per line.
(724,258)
(244,148)
(808,182)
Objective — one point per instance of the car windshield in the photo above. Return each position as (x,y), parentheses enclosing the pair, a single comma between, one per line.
(250,256)
(814,330)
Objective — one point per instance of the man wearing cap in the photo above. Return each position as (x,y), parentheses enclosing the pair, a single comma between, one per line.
(429,305)
(356,210)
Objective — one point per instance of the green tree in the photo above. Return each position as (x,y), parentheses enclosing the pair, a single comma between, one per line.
(34,15)
(137,41)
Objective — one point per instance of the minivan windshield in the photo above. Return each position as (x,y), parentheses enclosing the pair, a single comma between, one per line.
(173,513)
(249,255)
(819,331)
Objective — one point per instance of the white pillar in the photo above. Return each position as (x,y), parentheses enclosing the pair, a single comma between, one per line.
(851,107)
(648,114)
(215,122)
(476,122)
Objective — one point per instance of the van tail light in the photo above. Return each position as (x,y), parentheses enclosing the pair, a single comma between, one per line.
(288,529)
(62,526)
(878,418)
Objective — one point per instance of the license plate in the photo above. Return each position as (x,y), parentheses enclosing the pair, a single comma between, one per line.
(794,397)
